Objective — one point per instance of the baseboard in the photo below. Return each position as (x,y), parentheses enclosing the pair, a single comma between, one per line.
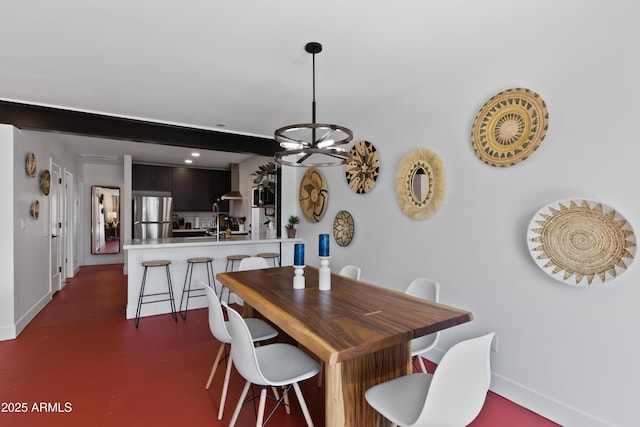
(541,404)
(26,318)
(7,333)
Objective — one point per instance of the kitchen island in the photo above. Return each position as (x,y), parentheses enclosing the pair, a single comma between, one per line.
(178,250)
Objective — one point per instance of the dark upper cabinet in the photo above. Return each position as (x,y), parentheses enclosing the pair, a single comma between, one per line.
(195,190)
(152,178)
(192,189)
(220,183)
(183,189)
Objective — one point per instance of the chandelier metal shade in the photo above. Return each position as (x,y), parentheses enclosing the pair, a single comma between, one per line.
(313,144)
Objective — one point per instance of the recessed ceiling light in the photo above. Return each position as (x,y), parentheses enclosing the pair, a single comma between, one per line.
(188,161)
(195,154)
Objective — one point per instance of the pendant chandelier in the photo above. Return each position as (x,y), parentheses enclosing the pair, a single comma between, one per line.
(313,144)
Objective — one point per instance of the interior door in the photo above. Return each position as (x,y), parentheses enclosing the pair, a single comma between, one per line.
(55,225)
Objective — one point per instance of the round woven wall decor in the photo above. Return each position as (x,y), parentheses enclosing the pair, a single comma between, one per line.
(343,228)
(362,172)
(314,195)
(581,242)
(420,171)
(509,127)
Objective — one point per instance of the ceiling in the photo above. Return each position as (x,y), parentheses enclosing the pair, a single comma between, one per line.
(235,66)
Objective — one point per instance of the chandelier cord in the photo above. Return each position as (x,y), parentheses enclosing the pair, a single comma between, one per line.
(313,99)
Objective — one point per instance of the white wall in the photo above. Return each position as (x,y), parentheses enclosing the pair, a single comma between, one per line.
(26,285)
(566,352)
(7,267)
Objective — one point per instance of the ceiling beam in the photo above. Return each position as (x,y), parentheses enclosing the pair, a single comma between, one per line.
(35,117)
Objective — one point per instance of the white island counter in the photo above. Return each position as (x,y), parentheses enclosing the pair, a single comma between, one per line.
(178,250)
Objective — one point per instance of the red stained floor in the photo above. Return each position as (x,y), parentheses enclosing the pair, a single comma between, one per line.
(81,363)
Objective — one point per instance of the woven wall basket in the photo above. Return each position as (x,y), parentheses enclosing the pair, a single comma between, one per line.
(509,127)
(313,195)
(362,172)
(581,242)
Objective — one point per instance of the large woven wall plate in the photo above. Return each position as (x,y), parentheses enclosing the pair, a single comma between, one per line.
(362,172)
(509,127)
(581,242)
(314,195)
(420,184)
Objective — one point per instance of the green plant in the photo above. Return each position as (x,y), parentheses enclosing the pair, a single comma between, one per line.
(293,221)
(265,172)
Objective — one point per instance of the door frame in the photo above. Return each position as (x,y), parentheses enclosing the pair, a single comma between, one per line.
(70,226)
(56,239)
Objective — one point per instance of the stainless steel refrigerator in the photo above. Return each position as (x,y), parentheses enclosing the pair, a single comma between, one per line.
(152,217)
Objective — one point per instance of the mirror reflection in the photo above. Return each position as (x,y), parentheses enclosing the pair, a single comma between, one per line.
(420,184)
(105,220)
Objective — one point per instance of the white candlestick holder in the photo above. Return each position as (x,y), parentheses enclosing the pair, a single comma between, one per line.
(298,278)
(324,274)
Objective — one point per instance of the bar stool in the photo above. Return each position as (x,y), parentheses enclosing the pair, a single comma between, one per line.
(208,262)
(156,263)
(271,255)
(231,259)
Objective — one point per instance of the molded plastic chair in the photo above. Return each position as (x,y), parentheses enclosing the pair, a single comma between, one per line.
(351,271)
(259,331)
(249,263)
(253,263)
(430,290)
(271,365)
(452,397)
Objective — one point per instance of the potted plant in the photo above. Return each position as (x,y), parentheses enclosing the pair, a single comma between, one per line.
(266,173)
(291,226)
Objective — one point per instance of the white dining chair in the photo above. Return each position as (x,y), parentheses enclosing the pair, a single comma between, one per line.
(429,290)
(249,263)
(350,271)
(258,329)
(271,365)
(452,397)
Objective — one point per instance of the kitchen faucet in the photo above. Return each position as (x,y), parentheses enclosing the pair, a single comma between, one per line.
(216,219)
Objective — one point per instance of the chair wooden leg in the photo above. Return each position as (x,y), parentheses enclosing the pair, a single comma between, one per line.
(215,365)
(225,386)
(287,408)
(303,404)
(263,398)
(275,393)
(243,396)
(424,368)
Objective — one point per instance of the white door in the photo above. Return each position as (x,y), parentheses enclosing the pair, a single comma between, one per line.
(55,225)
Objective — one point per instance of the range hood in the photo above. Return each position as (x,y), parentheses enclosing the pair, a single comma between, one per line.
(234,194)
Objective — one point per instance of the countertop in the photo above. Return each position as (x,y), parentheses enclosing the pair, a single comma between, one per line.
(200,241)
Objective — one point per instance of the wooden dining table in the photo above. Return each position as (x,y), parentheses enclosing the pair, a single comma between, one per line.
(360,331)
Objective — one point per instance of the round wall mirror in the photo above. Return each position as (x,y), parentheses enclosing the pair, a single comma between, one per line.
(420,184)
